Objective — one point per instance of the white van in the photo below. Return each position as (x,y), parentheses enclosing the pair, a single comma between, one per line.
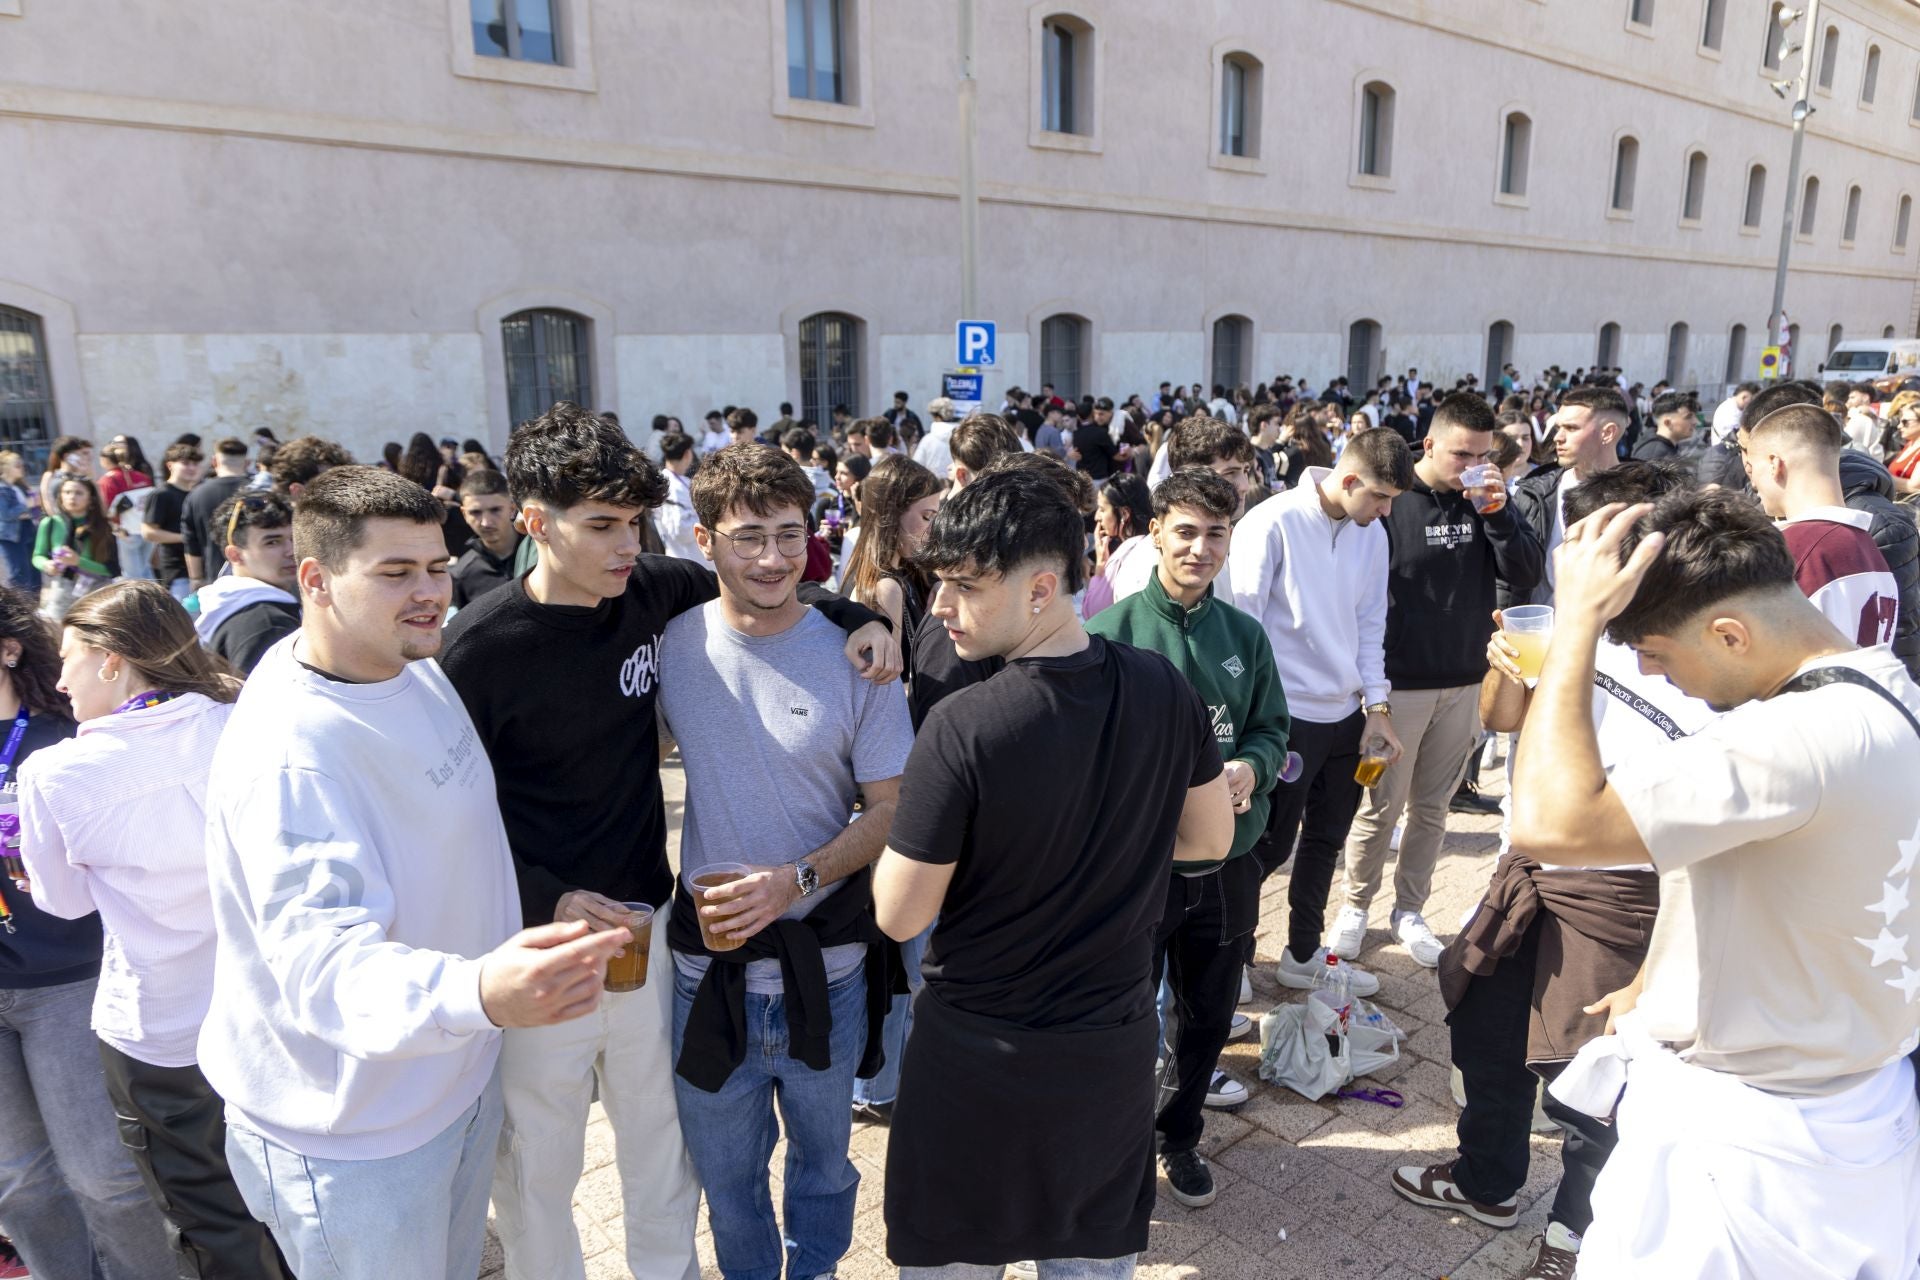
(1885,362)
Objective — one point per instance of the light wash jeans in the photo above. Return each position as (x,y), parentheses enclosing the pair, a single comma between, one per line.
(69,1192)
(731,1135)
(884,1088)
(422,1215)
(1050,1269)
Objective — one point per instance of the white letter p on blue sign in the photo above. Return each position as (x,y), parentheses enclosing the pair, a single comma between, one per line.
(974,343)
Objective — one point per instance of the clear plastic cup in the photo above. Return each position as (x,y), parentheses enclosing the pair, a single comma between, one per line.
(1485,487)
(712,876)
(1529,629)
(627,971)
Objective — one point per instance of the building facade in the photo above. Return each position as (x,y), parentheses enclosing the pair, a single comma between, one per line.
(439,215)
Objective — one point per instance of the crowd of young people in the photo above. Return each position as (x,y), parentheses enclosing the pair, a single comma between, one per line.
(395,733)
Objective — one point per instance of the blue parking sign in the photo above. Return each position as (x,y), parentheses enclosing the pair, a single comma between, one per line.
(973,343)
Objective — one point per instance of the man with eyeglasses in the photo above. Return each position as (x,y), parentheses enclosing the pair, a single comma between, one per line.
(780,739)
(561,671)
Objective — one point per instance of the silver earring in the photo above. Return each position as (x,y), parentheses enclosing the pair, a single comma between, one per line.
(1036,608)
(12,663)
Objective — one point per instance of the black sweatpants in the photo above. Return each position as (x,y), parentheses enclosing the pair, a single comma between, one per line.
(1490,1048)
(1318,806)
(1201,945)
(172,1123)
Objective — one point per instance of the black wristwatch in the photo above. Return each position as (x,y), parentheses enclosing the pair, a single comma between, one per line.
(806,878)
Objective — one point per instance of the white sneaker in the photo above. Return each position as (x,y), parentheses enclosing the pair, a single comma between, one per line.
(1410,927)
(1225,1093)
(1242,1027)
(1305,975)
(1246,986)
(1349,933)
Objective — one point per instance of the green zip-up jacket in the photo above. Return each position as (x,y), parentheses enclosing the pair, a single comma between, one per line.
(1226,656)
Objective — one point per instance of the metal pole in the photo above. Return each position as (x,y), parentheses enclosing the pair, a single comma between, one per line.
(969,194)
(1801,110)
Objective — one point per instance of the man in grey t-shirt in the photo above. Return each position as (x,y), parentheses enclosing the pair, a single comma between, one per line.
(779,737)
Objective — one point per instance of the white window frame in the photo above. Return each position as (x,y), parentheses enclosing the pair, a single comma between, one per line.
(572,33)
(1088,61)
(1356,178)
(856,55)
(1253,107)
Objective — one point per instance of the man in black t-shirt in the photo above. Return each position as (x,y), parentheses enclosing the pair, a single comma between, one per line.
(559,671)
(161,526)
(1037,1017)
(487,562)
(196,517)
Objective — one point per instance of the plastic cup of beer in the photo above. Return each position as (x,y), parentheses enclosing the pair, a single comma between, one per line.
(1373,762)
(1485,488)
(627,971)
(712,876)
(1529,629)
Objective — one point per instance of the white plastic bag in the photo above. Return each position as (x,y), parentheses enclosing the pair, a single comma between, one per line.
(1298,1045)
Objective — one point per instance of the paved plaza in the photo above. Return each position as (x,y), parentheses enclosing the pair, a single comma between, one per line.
(1317,1170)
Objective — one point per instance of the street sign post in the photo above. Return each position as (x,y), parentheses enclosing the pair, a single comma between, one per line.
(974,343)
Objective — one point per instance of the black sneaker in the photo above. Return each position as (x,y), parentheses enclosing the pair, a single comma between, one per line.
(1467,800)
(1188,1178)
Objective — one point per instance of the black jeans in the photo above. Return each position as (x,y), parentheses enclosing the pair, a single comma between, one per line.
(171,1122)
(1200,945)
(1318,807)
(1490,1048)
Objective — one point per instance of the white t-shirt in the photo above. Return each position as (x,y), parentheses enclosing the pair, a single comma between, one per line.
(1786,833)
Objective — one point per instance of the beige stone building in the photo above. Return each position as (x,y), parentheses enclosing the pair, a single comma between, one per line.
(367,219)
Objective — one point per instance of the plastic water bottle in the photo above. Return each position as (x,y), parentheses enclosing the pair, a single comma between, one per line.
(1334,981)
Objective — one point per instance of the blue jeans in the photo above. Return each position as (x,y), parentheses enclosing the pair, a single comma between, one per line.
(20,570)
(70,1196)
(730,1135)
(883,1088)
(1049,1268)
(422,1215)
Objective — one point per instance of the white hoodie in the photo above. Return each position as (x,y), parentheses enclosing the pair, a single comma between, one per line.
(359,871)
(224,597)
(1319,587)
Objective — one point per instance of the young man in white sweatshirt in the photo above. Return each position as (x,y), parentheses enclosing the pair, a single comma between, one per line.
(1311,564)
(365,910)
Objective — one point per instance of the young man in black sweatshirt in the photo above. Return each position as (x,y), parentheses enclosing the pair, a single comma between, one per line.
(1446,561)
(559,670)
(487,563)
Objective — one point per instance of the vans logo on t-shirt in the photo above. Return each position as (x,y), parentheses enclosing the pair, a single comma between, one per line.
(799,711)
(641,670)
(1234,666)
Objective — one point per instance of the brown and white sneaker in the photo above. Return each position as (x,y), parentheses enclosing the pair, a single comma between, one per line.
(1435,1188)
(1556,1254)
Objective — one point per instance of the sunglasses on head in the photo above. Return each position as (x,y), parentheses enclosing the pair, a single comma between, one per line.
(246,502)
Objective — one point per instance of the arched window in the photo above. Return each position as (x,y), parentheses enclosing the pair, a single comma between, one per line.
(1835,336)
(1887,332)
(1499,351)
(1066,75)
(1516,144)
(549,358)
(1063,354)
(1736,352)
(1793,341)
(1850,225)
(829,364)
(1375,158)
(1776,37)
(1713,24)
(28,423)
(1606,352)
(1240,99)
(1829,56)
(1677,340)
(1626,168)
(1914,115)
(1870,78)
(1363,354)
(1809,205)
(1232,351)
(1756,196)
(1693,195)
(1902,215)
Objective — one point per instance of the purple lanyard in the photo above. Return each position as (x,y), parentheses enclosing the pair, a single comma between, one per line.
(13,744)
(140,702)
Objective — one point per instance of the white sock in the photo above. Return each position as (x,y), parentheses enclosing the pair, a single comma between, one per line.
(1559,1237)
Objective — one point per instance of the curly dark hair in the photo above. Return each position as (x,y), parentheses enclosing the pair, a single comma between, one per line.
(302,459)
(567,456)
(36,676)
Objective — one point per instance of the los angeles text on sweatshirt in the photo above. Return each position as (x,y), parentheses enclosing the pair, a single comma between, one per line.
(1444,566)
(359,871)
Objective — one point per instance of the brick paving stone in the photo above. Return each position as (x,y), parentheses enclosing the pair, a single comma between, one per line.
(1317,1169)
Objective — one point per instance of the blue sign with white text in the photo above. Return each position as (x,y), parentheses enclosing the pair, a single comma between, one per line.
(962,388)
